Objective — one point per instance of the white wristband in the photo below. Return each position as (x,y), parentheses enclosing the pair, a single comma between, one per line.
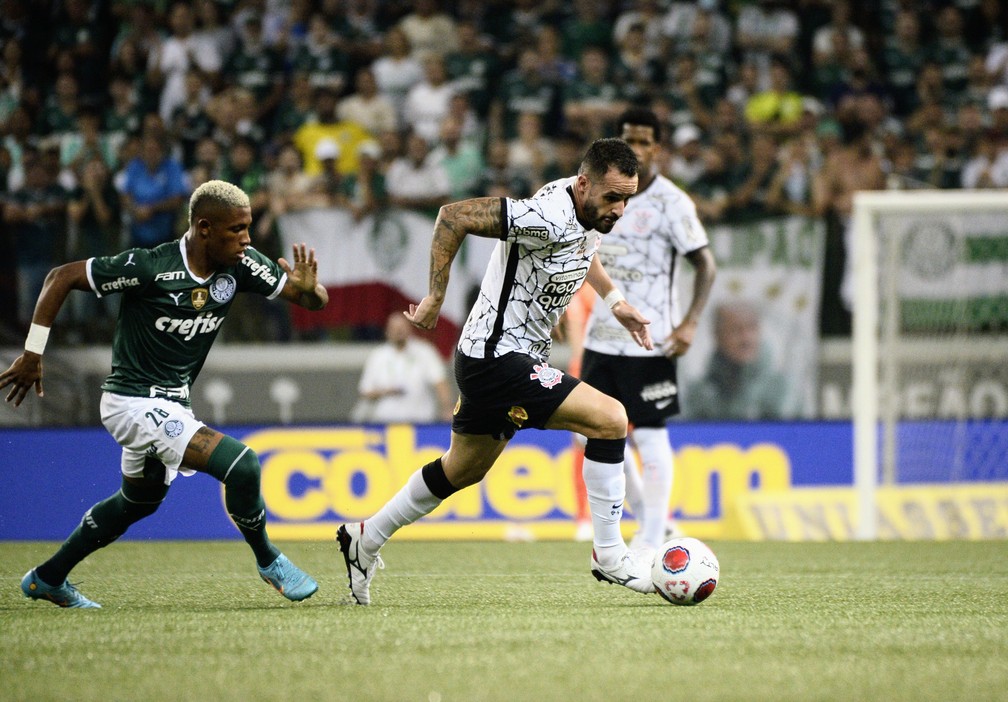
(614,298)
(37,338)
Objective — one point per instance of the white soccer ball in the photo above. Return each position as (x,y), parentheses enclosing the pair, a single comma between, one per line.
(685,571)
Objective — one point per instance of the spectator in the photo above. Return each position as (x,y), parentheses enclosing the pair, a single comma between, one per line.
(61,108)
(749,200)
(473,68)
(190,122)
(80,29)
(404,380)
(851,168)
(366,106)
(903,56)
(554,65)
(648,15)
(949,50)
(592,100)
(763,29)
(212,28)
(523,89)
(530,151)
(290,189)
(417,182)
(429,30)
(257,67)
(37,216)
(831,41)
(461,158)
(499,178)
(327,184)
(365,189)
(325,124)
(320,57)
(640,74)
(741,381)
(179,54)
(396,71)
(686,166)
(153,190)
(686,23)
(88,142)
(567,152)
(427,102)
(587,26)
(17,142)
(778,108)
(294,110)
(94,210)
(207,162)
(123,114)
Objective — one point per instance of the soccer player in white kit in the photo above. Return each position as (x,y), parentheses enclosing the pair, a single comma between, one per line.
(642,254)
(548,247)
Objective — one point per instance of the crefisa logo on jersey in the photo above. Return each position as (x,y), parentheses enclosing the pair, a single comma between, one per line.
(223,288)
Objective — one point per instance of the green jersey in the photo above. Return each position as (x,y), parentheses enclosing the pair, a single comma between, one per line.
(169,317)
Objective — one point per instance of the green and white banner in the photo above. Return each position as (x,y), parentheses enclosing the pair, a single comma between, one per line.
(952,269)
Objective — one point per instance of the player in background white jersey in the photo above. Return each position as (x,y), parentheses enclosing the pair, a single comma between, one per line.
(547,249)
(642,254)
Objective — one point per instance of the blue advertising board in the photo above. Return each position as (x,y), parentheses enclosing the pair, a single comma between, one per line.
(315,477)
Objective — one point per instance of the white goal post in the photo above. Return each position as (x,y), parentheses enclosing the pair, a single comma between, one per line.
(947,249)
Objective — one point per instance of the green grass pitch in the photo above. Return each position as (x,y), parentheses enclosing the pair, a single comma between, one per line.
(496,621)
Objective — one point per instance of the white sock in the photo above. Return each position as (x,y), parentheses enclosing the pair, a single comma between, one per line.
(412,502)
(605,485)
(634,485)
(656,457)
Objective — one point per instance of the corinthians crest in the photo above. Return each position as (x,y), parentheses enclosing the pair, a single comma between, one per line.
(199,297)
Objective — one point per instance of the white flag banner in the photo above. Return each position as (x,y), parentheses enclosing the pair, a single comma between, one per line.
(390,249)
(756,351)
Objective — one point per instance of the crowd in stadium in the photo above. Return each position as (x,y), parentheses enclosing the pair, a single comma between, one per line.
(112,111)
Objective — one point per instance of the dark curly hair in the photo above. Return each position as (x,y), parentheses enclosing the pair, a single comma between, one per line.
(608,153)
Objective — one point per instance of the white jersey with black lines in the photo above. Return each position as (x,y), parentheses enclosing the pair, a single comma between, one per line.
(541,261)
(641,255)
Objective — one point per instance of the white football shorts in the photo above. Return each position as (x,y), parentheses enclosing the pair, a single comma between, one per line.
(149,426)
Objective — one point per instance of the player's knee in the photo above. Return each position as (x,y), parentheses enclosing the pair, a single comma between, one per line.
(142,496)
(610,420)
(244,473)
(235,464)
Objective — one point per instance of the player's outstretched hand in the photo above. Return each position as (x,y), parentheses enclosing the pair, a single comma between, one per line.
(303,275)
(635,323)
(25,372)
(424,315)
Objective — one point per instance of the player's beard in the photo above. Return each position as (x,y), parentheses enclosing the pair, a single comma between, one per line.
(600,224)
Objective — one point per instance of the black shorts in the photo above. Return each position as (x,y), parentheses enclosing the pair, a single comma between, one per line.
(499,396)
(646,385)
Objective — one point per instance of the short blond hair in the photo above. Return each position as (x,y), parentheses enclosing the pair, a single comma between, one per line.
(219,193)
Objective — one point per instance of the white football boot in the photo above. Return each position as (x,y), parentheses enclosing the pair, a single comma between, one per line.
(632,570)
(360,566)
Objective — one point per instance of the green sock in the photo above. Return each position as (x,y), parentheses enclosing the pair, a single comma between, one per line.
(252,528)
(101,525)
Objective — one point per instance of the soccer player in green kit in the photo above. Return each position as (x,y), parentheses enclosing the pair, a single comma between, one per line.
(174,298)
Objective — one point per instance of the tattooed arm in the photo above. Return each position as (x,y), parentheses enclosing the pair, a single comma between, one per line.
(479,216)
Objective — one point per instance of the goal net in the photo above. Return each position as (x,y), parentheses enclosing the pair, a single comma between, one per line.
(930,341)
